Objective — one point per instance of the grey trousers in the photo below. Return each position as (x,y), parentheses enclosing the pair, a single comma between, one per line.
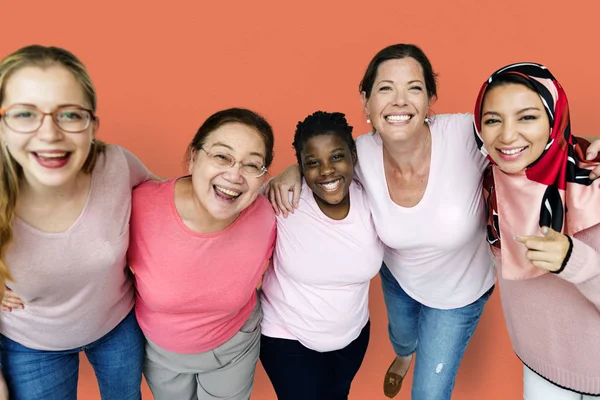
(225,372)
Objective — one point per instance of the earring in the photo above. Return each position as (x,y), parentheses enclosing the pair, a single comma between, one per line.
(427,120)
(368,120)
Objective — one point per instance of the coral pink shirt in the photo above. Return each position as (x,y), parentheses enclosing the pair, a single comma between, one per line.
(195,291)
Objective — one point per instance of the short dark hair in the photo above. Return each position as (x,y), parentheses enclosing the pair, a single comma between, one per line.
(322,123)
(240,116)
(398,52)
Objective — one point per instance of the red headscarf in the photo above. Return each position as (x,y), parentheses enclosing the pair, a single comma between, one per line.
(554,191)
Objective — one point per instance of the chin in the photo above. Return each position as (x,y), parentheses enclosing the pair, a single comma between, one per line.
(511,169)
(52,180)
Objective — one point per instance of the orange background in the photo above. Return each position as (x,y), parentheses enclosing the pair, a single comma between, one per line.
(161,69)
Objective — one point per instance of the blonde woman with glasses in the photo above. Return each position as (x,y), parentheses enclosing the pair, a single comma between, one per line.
(65,201)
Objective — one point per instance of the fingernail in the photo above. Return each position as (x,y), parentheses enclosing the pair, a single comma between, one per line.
(589,156)
(592,175)
(545,229)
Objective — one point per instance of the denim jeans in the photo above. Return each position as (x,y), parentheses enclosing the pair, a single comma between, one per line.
(117,359)
(439,337)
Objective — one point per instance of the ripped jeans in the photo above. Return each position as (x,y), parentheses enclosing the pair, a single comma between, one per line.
(439,337)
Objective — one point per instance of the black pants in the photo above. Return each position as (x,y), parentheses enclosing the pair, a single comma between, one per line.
(299,373)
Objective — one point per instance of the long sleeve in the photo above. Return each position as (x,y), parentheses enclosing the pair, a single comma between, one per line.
(583,267)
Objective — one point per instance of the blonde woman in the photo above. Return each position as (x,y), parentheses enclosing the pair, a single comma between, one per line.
(65,202)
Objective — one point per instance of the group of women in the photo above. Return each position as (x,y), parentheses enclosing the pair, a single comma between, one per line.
(166,277)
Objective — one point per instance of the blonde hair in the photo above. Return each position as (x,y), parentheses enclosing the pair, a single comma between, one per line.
(11,172)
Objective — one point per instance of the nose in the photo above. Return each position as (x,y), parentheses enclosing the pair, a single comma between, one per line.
(234,173)
(400,97)
(508,132)
(48,132)
(326,169)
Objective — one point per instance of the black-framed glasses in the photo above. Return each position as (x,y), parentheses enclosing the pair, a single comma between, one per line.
(25,118)
(223,160)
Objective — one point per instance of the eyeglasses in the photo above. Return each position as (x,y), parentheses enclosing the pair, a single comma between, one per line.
(224,160)
(28,119)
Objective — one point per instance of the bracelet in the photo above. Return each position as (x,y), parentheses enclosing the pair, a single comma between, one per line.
(566,260)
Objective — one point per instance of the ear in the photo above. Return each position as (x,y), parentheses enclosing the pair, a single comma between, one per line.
(95,126)
(432,100)
(193,156)
(364,101)
(354,157)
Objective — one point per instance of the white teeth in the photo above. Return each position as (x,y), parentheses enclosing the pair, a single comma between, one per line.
(228,191)
(398,118)
(512,151)
(331,186)
(52,155)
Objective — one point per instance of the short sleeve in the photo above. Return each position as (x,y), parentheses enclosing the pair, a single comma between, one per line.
(467,135)
(138,173)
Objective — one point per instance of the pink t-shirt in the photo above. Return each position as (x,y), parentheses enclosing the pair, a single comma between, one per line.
(195,291)
(75,284)
(316,290)
(436,250)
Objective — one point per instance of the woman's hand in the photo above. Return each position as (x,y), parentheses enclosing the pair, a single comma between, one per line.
(591,154)
(10,300)
(279,187)
(546,252)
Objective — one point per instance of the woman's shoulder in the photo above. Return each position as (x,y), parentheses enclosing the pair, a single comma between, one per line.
(368,140)
(153,191)
(261,210)
(458,121)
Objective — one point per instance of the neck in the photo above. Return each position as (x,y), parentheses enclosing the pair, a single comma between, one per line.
(334,211)
(408,156)
(199,218)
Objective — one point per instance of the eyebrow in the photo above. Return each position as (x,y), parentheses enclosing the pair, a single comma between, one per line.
(408,83)
(221,144)
(518,112)
(309,155)
(58,106)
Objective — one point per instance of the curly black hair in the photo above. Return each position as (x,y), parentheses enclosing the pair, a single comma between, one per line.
(322,123)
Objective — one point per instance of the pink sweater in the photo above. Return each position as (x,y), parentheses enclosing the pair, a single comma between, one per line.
(195,291)
(554,320)
(75,284)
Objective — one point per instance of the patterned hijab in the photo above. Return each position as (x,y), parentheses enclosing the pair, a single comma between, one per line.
(555,190)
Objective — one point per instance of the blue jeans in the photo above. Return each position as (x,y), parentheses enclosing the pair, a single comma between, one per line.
(439,337)
(117,359)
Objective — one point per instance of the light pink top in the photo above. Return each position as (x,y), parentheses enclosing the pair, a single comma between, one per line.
(74,284)
(316,290)
(554,320)
(195,291)
(436,250)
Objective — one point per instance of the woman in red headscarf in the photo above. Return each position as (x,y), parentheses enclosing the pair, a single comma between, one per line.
(544,230)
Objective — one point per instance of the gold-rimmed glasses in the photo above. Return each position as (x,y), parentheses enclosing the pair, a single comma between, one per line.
(24,118)
(223,160)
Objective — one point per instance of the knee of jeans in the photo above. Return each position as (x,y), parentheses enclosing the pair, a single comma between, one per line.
(436,384)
